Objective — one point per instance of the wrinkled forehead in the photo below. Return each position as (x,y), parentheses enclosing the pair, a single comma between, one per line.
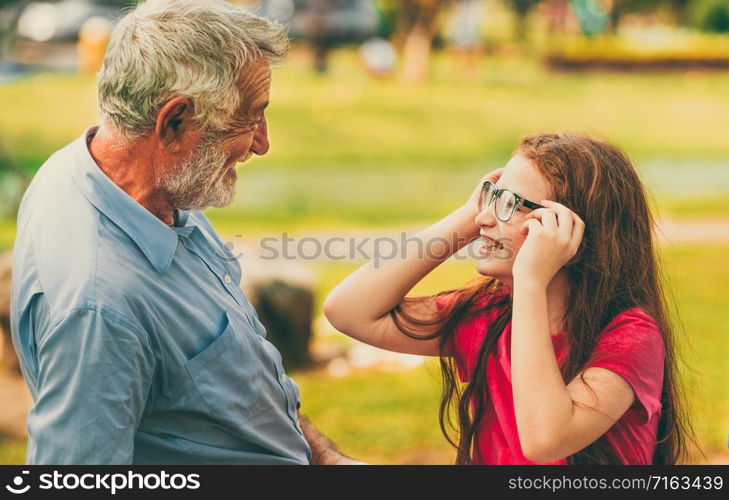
(523,178)
(255,84)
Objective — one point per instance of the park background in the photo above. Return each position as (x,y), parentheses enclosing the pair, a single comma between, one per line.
(371,139)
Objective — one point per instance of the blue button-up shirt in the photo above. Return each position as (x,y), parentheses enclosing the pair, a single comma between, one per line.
(134,337)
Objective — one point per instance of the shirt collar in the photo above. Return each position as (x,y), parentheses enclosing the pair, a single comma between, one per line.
(155,239)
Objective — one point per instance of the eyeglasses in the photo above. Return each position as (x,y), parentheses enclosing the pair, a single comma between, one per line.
(506,202)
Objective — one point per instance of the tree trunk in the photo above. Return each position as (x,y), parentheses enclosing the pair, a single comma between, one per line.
(416,52)
(521,11)
(615,16)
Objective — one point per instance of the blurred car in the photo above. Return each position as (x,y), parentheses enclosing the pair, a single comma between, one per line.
(337,21)
(331,21)
(62,20)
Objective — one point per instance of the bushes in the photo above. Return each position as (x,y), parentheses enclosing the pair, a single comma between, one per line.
(710,15)
(661,50)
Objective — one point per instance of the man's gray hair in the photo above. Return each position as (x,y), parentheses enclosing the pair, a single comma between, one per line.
(193,48)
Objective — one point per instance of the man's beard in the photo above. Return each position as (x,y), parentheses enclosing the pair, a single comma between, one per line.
(201,180)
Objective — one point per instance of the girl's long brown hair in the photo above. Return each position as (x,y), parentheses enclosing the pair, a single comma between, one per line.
(617,269)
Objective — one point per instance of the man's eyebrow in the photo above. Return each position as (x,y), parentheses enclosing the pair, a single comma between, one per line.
(261,108)
(256,111)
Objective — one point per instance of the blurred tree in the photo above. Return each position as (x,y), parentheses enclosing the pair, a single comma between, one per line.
(521,9)
(592,17)
(680,10)
(717,19)
(622,7)
(13,182)
(558,12)
(709,15)
(418,22)
(320,10)
(387,11)
(9,13)
(5,3)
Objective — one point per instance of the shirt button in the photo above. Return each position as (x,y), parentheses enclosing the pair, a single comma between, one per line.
(282,378)
(228,280)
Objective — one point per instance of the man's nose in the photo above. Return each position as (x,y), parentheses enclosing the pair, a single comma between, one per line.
(260,139)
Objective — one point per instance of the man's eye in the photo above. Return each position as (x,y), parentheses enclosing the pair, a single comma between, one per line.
(248,129)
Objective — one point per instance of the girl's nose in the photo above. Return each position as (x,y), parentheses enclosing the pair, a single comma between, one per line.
(486,217)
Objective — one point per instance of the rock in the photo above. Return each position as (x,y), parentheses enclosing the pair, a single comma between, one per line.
(285,309)
(282,292)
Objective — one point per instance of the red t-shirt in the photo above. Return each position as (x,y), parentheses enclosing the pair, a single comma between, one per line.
(631,345)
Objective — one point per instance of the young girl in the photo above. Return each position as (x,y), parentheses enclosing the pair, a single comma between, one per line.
(564,346)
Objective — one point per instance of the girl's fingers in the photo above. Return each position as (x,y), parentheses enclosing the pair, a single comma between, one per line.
(569,227)
(546,216)
(530,225)
(564,219)
(493,176)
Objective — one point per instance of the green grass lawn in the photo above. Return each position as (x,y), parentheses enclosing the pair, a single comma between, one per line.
(12,450)
(698,275)
(349,152)
(346,120)
(391,417)
(347,149)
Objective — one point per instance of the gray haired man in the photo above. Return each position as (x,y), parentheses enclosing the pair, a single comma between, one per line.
(134,337)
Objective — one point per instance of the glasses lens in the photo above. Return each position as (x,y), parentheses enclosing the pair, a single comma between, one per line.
(486,194)
(505,205)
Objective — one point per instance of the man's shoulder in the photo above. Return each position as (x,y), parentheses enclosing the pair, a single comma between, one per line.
(65,247)
(52,188)
(55,244)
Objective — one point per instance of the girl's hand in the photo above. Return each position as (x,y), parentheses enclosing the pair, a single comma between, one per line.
(468,212)
(553,237)
(472,203)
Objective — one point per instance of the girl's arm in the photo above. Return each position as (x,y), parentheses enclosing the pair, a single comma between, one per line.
(551,425)
(360,305)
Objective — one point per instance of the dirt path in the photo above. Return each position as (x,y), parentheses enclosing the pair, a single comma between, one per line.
(687,231)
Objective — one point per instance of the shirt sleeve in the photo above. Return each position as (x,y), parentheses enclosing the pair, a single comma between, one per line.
(632,346)
(94,376)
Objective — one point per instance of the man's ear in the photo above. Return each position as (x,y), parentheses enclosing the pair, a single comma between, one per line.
(173,122)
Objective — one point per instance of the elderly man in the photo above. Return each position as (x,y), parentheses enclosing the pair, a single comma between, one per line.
(134,337)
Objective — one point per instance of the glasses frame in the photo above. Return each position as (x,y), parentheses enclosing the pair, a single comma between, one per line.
(520,201)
